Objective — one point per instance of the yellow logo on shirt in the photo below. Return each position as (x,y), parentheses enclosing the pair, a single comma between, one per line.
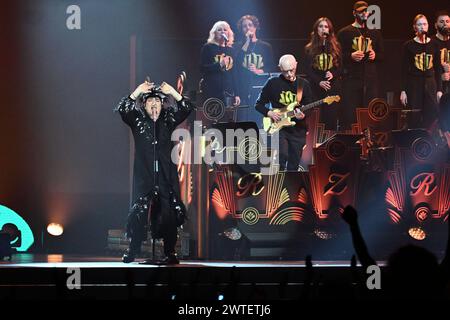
(323,62)
(253,58)
(220,57)
(361,43)
(423,61)
(445,55)
(287,97)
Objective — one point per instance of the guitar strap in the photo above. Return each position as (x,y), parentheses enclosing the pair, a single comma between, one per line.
(299,90)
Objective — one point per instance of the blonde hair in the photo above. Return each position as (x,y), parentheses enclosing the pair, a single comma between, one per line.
(216,26)
(419,16)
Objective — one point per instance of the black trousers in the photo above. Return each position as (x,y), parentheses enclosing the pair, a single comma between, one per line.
(292,141)
(421,94)
(445,87)
(357,93)
(328,113)
(162,222)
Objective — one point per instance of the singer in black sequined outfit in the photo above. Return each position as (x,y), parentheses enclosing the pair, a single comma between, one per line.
(155,179)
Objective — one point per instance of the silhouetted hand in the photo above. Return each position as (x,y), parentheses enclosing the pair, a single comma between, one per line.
(350,215)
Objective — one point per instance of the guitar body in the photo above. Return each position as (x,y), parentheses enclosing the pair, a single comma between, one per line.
(287,114)
(272,127)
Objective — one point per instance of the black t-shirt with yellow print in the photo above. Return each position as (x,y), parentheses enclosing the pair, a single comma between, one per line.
(280,92)
(316,67)
(218,80)
(444,55)
(421,60)
(444,49)
(360,39)
(260,54)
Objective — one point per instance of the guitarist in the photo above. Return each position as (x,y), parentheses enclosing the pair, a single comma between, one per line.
(280,92)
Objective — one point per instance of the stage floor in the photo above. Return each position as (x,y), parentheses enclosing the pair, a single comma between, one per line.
(26,260)
(34,276)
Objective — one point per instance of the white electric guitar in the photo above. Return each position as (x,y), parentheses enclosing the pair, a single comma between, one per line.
(290,111)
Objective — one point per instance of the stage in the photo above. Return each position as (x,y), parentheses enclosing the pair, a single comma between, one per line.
(30,276)
(130,127)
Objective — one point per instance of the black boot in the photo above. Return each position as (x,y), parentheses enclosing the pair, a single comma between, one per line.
(128,256)
(171,259)
(133,251)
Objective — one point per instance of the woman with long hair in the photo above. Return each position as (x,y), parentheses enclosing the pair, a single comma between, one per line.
(323,66)
(217,65)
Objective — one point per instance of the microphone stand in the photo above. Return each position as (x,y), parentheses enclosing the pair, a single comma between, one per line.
(155,193)
(423,39)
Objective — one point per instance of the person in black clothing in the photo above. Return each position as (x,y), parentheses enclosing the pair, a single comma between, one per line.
(444,118)
(411,269)
(218,66)
(155,179)
(324,67)
(442,37)
(362,48)
(280,92)
(421,73)
(254,58)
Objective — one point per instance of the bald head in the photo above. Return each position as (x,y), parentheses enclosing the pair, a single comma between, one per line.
(288,66)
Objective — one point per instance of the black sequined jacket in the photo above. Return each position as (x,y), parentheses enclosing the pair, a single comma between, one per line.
(153,142)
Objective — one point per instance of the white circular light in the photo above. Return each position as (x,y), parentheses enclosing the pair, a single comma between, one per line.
(55,229)
(417,233)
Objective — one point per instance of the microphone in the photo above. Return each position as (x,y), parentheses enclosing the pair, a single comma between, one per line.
(153,108)
(422,35)
(156,88)
(225,37)
(422,31)
(325,36)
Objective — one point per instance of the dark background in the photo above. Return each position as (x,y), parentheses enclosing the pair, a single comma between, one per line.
(65,156)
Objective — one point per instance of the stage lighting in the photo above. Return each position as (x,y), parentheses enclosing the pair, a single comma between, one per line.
(322,234)
(232,233)
(55,229)
(232,244)
(417,233)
